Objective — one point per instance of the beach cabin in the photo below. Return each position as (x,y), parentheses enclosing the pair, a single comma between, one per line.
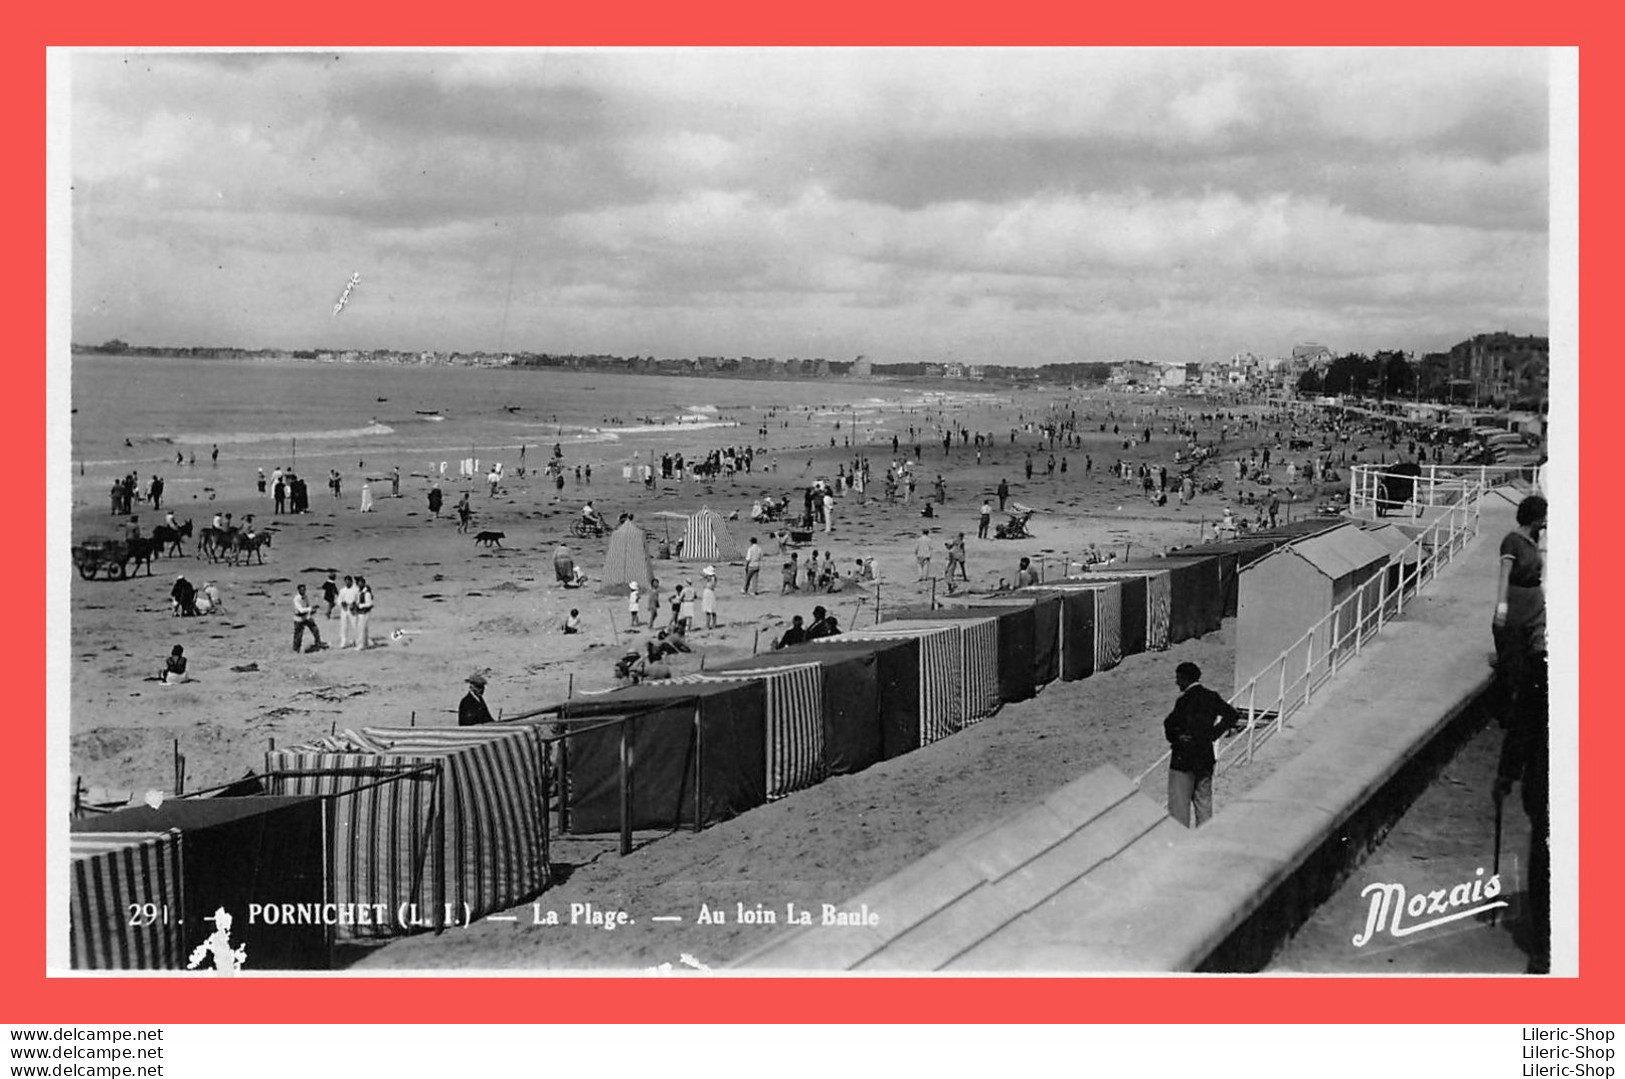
(1285,594)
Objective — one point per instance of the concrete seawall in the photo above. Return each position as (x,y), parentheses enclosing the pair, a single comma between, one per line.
(1096,878)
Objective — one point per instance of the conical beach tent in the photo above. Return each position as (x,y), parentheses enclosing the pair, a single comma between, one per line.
(627,561)
(707,539)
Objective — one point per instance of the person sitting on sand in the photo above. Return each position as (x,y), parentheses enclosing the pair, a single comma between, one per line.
(572,624)
(823,625)
(1026,576)
(564,564)
(174,667)
(796,634)
(183,597)
(208,599)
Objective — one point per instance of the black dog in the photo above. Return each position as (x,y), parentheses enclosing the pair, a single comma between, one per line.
(490,538)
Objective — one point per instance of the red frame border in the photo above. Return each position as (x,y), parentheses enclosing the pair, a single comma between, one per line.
(29,996)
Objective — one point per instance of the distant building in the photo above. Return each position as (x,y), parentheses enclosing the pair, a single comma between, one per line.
(1502,366)
(1311,354)
(863,367)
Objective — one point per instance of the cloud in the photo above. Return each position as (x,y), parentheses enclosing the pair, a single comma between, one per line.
(1030,202)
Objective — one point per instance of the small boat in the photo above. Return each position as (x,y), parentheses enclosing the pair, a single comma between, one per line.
(428,412)
(382,399)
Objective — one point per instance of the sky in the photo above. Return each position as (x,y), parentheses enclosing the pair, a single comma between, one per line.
(981,206)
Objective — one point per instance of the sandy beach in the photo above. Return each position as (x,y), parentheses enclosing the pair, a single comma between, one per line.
(447,607)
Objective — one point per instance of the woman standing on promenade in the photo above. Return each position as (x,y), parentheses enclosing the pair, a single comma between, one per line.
(1519,625)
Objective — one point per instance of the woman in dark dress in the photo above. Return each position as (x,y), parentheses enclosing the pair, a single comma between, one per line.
(1519,625)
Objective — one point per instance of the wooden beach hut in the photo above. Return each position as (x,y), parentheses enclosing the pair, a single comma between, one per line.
(1292,589)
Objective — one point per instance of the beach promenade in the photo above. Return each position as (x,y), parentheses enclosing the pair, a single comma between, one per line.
(1096,878)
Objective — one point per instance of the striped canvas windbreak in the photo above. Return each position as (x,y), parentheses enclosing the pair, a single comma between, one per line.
(384,838)
(795,721)
(942,707)
(979,660)
(114,876)
(706,538)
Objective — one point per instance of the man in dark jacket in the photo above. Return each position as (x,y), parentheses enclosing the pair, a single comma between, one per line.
(472,711)
(1199,717)
(824,625)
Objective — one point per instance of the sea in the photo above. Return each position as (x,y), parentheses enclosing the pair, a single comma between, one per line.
(138,413)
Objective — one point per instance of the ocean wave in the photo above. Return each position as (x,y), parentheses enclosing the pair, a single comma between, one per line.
(237,438)
(683,423)
(708,409)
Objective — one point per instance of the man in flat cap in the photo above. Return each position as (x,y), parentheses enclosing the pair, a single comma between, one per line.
(472,711)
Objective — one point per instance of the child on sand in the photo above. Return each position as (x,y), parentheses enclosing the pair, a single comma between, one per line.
(174,667)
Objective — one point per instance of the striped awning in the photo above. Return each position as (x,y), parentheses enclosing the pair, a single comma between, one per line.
(385,837)
(126,901)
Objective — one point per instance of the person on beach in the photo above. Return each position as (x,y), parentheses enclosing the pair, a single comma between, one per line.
(823,625)
(651,602)
(207,599)
(708,597)
(791,575)
(956,559)
(796,634)
(572,624)
(279,496)
(174,667)
(1026,576)
(1004,493)
(366,497)
(259,481)
(472,710)
(922,554)
(330,593)
(363,613)
(634,604)
(753,566)
(684,601)
(395,482)
(1200,716)
(304,617)
(465,513)
(183,597)
(564,564)
(1519,624)
(829,511)
(985,521)
(347,598)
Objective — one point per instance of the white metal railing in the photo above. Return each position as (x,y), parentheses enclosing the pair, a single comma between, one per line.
(1437,486)
(1288,683)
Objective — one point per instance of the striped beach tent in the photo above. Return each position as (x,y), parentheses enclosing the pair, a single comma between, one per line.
(1016,636)
(626,561)
(894,666)
(1196,596)
(706,538)
(795,720)
(1044,650)
(478,822)
(698,753)
(238,851)
(849,694)
(942,706)
(113,874)
(1145,607)
(978,656)
(1091,627)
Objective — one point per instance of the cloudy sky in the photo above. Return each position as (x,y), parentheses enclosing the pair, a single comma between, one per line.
(996,206)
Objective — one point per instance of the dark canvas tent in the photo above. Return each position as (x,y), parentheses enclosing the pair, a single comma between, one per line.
(849,696)
(1045,609)
(627,560)
(795,720)
(896,665)
(699,755)
(111,873)
(1196,593)
(480,826)
(240,851)
(1136,604)
(941,700)
(1091,626)
(706,538)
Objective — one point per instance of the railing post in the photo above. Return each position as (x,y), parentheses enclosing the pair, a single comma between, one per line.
(1280,700)
(1359,617)
(1309,666)
(1252,718)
